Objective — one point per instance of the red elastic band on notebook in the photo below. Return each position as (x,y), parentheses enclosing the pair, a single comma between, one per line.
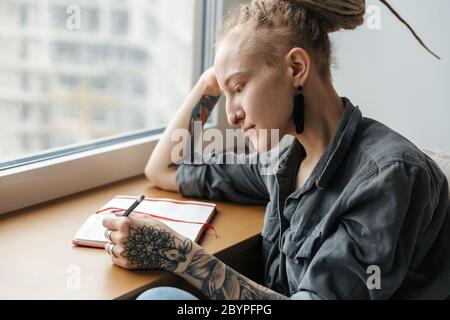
(205,225)
(169,200)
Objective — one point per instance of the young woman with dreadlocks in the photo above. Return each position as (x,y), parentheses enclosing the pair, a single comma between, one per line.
(350,196)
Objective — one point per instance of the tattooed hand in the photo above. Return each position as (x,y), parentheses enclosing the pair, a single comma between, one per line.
(142,242)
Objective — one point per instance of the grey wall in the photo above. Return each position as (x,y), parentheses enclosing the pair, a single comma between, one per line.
(393,79)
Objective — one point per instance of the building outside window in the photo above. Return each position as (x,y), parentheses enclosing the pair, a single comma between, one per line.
(76,71)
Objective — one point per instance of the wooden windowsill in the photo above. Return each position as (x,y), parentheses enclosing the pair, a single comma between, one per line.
(40,262)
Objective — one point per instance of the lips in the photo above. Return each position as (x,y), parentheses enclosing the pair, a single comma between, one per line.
(245,129)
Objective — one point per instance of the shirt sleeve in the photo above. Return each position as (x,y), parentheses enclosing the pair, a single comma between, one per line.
(391,221)
(227,176)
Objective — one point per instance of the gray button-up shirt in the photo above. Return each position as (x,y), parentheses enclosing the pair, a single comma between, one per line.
(373,205)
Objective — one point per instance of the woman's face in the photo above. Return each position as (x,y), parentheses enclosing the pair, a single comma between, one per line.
(258,97)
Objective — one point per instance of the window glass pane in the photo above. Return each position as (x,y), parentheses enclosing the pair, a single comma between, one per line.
(73,71)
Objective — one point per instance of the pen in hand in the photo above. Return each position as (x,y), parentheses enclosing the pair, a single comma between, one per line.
(133,206)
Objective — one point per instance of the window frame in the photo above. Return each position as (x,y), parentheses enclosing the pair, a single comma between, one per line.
(61,172)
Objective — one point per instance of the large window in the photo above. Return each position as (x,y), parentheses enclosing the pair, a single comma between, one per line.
(87,87)
(73,72)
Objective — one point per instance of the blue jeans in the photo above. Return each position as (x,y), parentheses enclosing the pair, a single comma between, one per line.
(166,293)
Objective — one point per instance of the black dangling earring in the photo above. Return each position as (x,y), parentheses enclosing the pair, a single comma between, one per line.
(299,111)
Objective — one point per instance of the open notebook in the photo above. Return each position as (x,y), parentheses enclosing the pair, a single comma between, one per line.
(188,218)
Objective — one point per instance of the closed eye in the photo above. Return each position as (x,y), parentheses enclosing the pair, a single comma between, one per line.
(239,88)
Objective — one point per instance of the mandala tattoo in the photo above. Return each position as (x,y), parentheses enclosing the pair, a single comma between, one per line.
(155,248)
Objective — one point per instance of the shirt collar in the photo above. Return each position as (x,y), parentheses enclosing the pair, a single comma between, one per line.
(332,158)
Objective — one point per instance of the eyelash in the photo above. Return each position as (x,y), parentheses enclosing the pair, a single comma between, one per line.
(237,88)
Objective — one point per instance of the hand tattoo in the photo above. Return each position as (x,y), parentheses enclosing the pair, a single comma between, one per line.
(155,248)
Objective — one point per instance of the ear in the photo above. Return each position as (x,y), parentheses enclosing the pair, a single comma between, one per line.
(299,65)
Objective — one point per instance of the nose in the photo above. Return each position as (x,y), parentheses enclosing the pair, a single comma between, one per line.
(235,118)
(234,115)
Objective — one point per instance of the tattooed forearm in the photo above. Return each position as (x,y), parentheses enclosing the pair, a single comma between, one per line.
(218,281)
(199,116)
(155,248)
(203,109)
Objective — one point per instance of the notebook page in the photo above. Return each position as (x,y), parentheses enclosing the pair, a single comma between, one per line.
(177,210)
(93,230)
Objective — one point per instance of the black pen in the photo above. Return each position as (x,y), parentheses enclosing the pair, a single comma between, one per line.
(133,206)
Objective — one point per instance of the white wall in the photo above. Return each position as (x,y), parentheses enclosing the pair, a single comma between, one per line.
(393,79)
